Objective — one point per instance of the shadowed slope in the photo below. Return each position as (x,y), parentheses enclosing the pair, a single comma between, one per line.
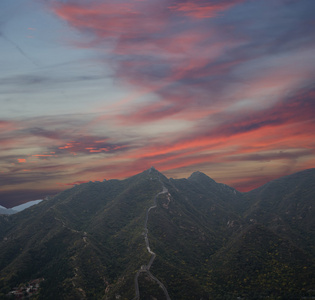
(210,241)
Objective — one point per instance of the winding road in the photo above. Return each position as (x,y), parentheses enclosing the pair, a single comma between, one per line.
(146,268)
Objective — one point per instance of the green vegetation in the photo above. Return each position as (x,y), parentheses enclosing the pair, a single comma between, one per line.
(211,241)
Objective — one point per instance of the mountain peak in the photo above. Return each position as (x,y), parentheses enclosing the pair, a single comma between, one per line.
(150,173)
(197,173)
(155,173)
(152,169)
(197,176)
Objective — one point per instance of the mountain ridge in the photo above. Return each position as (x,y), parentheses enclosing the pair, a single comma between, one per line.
(191,177)
(210,241)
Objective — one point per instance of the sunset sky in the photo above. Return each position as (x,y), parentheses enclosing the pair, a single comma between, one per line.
(100,89)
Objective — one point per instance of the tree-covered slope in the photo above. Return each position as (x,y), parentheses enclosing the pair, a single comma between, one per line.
(259,264)
(82,241)
(209,241)
(286,205)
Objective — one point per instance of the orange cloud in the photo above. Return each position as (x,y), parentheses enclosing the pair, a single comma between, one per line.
(43,155)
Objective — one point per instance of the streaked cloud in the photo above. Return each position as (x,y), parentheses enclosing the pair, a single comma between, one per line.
(203,9)
(219,86)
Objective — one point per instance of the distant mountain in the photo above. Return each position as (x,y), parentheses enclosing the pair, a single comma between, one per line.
(15,209)
(150,237)
(6,211)
(26,205)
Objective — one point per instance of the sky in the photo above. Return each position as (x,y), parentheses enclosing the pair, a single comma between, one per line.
(99,89)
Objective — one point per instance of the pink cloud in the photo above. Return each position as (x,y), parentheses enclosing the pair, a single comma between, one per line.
(74,183)
(109,19)
(288,125)
(189,65)
(203,9)
(151,51)
(6,126)
(91,144)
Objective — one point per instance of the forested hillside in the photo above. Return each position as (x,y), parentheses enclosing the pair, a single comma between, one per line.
(195,238)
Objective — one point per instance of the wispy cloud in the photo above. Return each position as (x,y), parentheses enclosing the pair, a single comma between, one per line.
(19,49)
(209,85)
(203,9)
